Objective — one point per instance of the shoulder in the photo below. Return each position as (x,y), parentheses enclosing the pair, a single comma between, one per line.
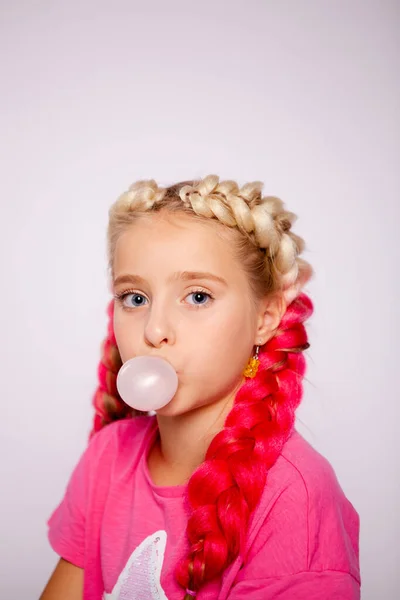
(112,446)
(309,471)
(123,435)
(304,472)
(118,443)
(304,517)
(313,476)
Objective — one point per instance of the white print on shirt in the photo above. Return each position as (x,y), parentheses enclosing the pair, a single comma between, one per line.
(140,578)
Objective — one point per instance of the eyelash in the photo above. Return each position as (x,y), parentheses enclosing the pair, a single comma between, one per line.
(120,297)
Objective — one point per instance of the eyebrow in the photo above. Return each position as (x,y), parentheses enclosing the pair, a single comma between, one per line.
(180,275)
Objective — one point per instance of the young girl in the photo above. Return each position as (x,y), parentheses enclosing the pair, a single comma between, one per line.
(216,496)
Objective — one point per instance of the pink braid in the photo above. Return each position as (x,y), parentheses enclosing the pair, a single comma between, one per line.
(107,402)
(227,486)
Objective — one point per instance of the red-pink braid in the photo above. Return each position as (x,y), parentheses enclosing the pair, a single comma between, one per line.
(227,486)
(107,402)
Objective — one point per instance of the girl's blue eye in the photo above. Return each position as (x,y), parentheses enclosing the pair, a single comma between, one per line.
(140,300)
(200,298)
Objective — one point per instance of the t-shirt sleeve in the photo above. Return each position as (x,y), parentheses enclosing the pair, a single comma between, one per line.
(304,544)
(68,523)
(325,585)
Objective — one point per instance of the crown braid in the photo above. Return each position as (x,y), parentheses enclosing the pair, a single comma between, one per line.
(262,219)
(226,488)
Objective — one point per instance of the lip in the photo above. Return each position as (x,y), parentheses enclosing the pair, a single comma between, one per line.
(177,371)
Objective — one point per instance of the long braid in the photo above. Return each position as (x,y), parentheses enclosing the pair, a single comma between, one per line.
(108,404)
(227,486)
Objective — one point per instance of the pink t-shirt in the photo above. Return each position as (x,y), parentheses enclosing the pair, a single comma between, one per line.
(127,533)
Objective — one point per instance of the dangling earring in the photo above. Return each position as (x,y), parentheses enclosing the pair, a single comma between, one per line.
(252,366)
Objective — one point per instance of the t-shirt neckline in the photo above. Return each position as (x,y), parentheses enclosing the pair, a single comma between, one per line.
(166,491)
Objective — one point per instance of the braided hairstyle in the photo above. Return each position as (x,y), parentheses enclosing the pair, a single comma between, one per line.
(226,488)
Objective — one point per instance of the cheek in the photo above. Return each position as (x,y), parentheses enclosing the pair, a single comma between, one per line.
(236,325)
(226,345)
(125,336)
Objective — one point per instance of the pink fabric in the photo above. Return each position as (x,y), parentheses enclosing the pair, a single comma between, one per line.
(127,534)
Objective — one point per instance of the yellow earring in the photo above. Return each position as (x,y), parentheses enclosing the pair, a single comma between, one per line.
(252,366)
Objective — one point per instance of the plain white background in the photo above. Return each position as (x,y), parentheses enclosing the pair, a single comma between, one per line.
(303,95)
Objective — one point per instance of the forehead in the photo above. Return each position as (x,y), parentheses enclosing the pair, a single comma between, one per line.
(175,242)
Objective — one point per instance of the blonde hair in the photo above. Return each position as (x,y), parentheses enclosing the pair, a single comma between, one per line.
(267,247)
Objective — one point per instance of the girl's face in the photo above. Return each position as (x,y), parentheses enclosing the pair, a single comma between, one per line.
(185,298)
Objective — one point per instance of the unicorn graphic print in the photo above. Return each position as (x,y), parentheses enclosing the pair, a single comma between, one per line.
(140,578)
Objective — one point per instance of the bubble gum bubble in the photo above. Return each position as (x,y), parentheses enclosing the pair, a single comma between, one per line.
(147,383)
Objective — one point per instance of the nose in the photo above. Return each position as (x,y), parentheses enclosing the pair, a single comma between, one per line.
(159,330)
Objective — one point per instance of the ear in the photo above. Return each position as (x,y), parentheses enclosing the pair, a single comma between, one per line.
(270,313)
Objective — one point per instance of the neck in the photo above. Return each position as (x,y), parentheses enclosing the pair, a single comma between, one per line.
(183,441)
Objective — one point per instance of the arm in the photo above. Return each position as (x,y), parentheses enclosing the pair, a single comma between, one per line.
(65,583)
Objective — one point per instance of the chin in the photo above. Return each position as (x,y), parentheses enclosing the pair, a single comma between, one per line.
(176,407)
(170,410)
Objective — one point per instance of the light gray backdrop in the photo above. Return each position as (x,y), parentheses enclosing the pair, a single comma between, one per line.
(301,94)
